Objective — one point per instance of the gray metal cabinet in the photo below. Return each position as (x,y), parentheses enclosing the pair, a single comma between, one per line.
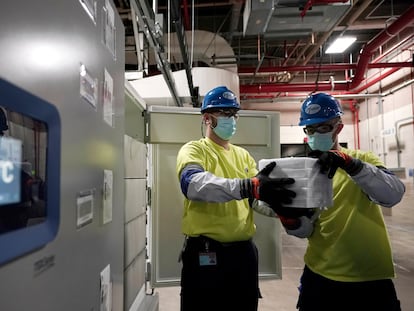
(71,54)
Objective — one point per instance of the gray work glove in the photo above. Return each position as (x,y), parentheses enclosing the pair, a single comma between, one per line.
(304,229)
(301,227)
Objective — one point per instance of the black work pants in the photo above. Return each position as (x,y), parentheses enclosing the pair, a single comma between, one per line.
(318,293)
(219,276)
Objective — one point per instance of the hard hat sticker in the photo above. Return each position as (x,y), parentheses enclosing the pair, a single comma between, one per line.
(229,95)
(312,109)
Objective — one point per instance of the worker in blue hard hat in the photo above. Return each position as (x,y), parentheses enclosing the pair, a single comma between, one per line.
(220,183)
(348,260)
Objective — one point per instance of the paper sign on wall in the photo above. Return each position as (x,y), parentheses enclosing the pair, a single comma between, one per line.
(108,98)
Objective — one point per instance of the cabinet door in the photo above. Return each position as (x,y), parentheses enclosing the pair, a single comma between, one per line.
(168,129)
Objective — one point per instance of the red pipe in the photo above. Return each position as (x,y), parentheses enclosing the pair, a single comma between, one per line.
(307,87)
(400,44)
(405,20)
(298,87)
(186,21)
(309,4)
(374,81)
(355,119)
(330,67)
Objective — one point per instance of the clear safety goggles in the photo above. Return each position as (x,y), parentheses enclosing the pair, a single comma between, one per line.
(320,128)
(225,113)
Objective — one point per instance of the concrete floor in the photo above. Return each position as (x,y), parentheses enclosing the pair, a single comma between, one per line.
(281,295)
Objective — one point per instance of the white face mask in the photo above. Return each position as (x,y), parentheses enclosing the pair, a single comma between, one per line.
(322,142)
(225,128)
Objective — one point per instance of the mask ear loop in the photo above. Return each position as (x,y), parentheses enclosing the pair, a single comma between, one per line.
(203,122)
(202,128)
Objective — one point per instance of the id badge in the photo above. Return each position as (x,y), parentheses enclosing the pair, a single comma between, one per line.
(207,259)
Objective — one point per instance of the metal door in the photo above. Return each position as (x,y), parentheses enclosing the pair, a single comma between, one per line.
(168,129)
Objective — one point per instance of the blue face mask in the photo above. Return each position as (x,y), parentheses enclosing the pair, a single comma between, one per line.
(322,142)
(225,128)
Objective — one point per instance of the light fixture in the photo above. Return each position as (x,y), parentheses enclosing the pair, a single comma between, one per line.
(340,45)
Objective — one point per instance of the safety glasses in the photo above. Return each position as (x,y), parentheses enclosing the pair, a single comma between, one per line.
(321,128)
(226,113)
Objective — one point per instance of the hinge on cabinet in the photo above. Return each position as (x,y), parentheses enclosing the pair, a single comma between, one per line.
(149,196)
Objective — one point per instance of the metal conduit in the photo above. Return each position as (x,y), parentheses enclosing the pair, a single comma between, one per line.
(400,24)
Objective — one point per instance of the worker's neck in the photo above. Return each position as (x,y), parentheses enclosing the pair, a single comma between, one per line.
(224,143)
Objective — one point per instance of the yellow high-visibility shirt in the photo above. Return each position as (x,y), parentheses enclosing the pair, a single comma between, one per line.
(225,222)
(350,242)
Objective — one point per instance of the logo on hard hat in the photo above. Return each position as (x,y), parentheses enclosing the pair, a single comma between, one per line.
(312,109)
(229,95)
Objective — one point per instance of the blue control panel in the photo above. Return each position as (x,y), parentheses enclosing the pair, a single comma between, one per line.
(30,146)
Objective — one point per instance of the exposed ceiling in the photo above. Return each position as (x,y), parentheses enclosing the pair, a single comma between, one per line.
(275,46)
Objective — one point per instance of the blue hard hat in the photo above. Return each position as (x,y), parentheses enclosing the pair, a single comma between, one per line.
(220,98)
(319,108)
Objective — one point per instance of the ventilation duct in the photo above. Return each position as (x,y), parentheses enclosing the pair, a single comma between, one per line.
(276,18)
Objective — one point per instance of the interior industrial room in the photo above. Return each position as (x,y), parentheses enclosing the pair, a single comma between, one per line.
(99,95)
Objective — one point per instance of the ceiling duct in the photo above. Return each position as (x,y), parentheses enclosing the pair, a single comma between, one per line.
(276,18)
(256,16)
(209,48)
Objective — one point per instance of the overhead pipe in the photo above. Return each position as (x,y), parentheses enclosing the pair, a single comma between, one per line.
(375,80)
(307,87)
(330,67)
(186,19)
(288,98)
(355,120)
(146,22)
(179,28)
(315,47)
(295,47)
(298,87)
(405,20)
(326,35)
(310,3)
(387,34)
(400,45)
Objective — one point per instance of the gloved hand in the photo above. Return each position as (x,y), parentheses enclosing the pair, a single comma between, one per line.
(329,162)
(290,212)
(301,227)
(267,189)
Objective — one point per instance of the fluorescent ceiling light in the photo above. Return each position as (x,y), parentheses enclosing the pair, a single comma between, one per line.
(340,45)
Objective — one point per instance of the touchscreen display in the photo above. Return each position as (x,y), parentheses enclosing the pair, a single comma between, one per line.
(22,170)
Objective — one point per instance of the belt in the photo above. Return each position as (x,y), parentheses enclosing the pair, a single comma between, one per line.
(203,239)
(206,241)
